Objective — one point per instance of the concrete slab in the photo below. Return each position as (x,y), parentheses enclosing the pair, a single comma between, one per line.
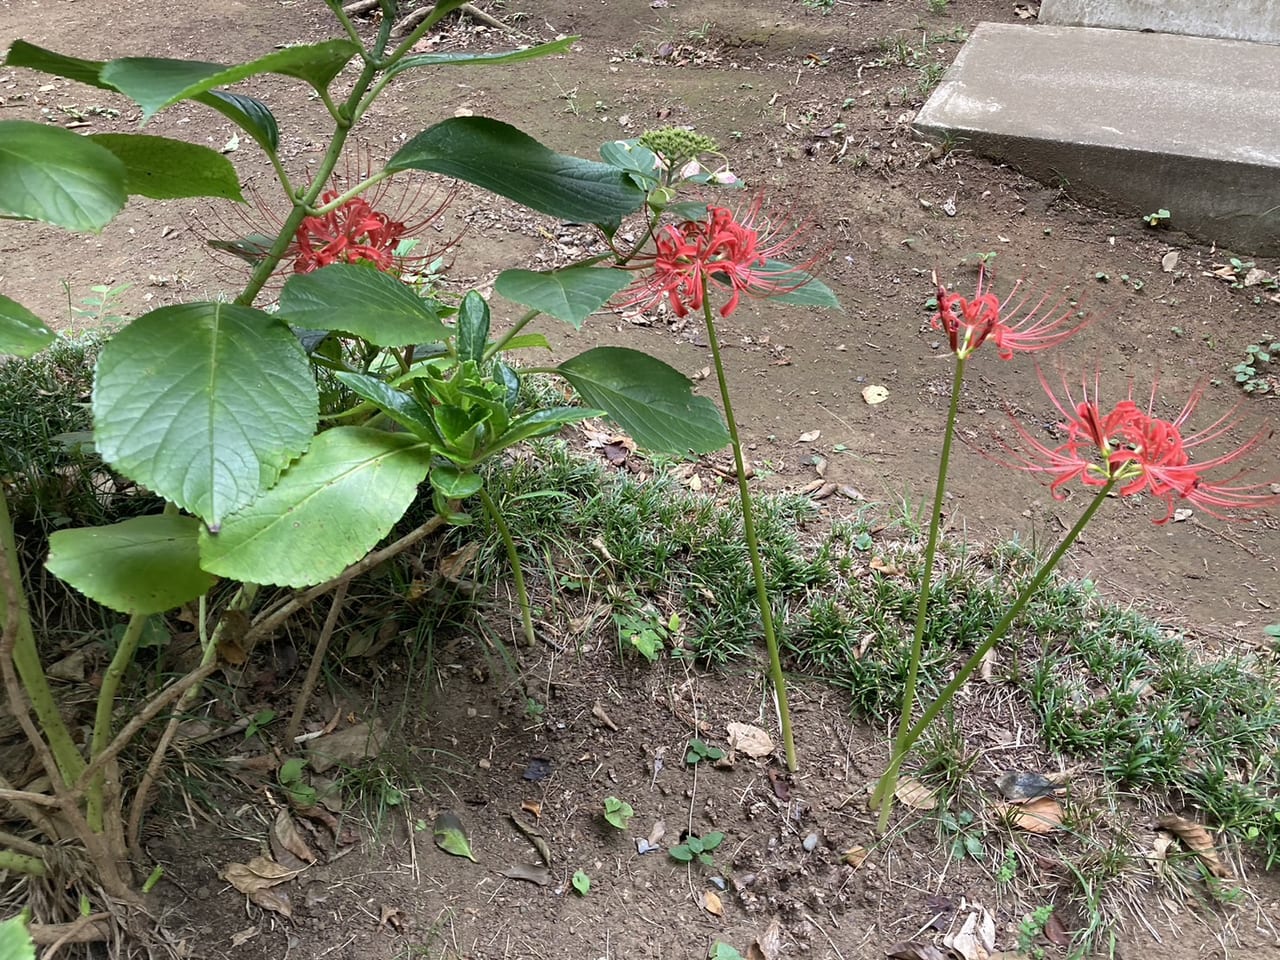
(1134,121)
(1254,20)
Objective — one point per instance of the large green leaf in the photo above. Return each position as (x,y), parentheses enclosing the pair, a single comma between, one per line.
(165,169)
(51,174)
(500,158)
(15,941)
(144,565)
(482,59)
(652,401)
(571,295)
(328,510)
(361,300)
(23,54)
(22,333)
(396,404)
(157,82)
(204,403)
(472,327)
(249,114)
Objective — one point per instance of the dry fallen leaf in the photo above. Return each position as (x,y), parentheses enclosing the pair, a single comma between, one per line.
(241,937)
(915,794)
(888,567)
(1169,261)
(533,807)
(1042,815)
(288,839)
(874,394)
(456,564)
(748,739)
(392,917)
(711,903)
(976,938)
(809,437)
(1158,856)
(1197,840)
(529,872)
(256,879)
(855,856)
(768,944)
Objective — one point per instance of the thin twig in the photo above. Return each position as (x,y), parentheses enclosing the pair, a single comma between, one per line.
(90,929)
(26,796)
(317,661)
(417,16)
(267,621)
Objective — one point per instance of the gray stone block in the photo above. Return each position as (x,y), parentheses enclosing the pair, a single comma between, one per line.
(1254,20)
(1132,121)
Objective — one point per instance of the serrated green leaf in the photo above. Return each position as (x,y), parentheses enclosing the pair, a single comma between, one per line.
(22,333)
(650,400)
(158,82)
(500,158)
(144,565)
(361,300)
(451,836)
(481,59)
(544,423)
(15,940)
(53,175)
(165,169)
(396,404)
(571,295)
(204,403)
(250,115)
(329,509)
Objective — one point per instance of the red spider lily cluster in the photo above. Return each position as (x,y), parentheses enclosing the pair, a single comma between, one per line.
(970,322)
(1142,453)
(353,231)
(733,250)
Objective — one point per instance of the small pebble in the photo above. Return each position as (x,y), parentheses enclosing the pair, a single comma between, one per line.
(810,843)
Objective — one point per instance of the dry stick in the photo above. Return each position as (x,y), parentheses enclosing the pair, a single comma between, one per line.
(415,18)
(317,661)
(360,6)
(29,847)
(145,716)
(28,804)
(267,621)
(90,929)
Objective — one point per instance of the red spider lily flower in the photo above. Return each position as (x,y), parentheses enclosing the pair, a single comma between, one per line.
(733,250)
(1142,453)
(369,228)
(970,322)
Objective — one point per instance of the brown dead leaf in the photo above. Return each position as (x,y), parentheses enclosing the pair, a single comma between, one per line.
(915,794)
(809,436)
(768,944)
(285,834)
(258,874)
(599,713)
(349,746)
(532,807)
(748,739)
(529,872)
(455,565)
(888,567)
(1197,840)
(241,937)
(855,856)
(915,950)
(711,903)
(1055,932)
(1169,261)
(392,917)
(1042,815)
(976,938)
(274,900)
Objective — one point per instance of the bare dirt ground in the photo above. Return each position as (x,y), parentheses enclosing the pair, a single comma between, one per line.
(816,107)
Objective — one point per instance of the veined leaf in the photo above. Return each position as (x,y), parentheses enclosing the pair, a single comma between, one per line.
(144,565)
(53,175)
(813,293)
(650,400)
(204,403)
(328,510)
(157,82)
(165,169)
(543,423)
(472,327)
(512,164)
(398,405)
(250,115)
(571,295)
(361,300)
(22,333)
(482,59)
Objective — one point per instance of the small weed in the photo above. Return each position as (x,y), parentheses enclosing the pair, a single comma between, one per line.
(581,882)
(618,812)
(99,307)
(1158,219)
(698,750)
(1008,868)
(965,839)
(1256,373)
(823,6)
(698,848)
(291,777)
(1031,929)
(939,6)
(259,722)
(645,631)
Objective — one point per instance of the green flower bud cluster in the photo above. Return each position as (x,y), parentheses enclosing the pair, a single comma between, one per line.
(676,145)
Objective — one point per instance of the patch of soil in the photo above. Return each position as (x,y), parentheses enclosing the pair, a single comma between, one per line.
(818,109)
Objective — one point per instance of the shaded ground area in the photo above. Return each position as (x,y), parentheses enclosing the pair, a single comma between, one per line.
(816,106)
